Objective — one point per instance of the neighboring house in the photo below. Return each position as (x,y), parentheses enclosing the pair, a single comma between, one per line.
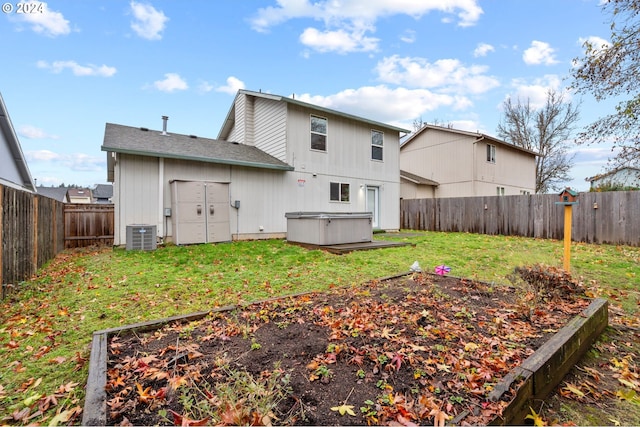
(621,178)
(14,171)
(273,155)
(103,194)
(57,193)
(443,162)
(79,195)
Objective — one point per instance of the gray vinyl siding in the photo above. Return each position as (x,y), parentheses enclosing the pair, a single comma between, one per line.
(270,127)
(8,168)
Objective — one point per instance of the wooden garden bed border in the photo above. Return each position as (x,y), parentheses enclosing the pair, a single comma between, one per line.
(535,378)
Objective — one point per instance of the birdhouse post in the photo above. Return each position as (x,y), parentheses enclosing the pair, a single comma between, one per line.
(568,198)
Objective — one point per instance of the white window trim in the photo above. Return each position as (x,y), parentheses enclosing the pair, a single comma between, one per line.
(376,145)
(491,154)
(340,184)
(326,135)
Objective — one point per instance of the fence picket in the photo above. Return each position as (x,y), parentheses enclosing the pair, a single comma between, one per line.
(609,217)
(32,231)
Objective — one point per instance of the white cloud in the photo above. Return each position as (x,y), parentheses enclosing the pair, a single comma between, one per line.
(77,69)
(339,41)
(483,49)
(149,23)
(41,156)
(232,87)
(205,87)
(539,53)
(347,22)
(536,90)
(171,83)
(47,22)
(597,44)
(447,75)
(32,132)
(409,36)
(332,12)
(394,106)
(74,161)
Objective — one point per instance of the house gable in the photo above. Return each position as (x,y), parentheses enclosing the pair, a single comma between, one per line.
(467,163)
(271,122)
(13,166)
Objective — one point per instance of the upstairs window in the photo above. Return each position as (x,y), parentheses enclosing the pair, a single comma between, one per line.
(377,139)
(500,191)
(491,153)
(339,192)
(318,133)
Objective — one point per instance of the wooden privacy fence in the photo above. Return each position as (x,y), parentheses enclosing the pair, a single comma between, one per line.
(34,229)
(32,233)
(607,217)
(88,225)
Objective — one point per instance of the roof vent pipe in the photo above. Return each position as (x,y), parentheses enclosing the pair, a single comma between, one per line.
(164,124)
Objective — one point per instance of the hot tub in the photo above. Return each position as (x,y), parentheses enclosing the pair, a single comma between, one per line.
(329,228)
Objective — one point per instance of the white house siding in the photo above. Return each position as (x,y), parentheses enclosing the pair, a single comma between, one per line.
(347,159)
(187,170)
(513,170)
(139,203)
(444,157)
(411,190)
(626,177)
(271,127)
(460,166)
(237,133)
(9,173)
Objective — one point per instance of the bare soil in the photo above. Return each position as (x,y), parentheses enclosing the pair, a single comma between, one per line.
(419,349)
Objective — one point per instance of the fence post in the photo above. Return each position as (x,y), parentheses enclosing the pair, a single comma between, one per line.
(34,263)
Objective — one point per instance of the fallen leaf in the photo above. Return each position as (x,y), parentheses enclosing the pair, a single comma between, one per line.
(537,419)
(470,346)
(344,409)
(439,417)
(58,360)
(573,389)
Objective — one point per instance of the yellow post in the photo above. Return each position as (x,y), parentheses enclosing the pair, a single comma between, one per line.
(567,238)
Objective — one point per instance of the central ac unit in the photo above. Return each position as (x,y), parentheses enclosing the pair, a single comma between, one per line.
(141,237)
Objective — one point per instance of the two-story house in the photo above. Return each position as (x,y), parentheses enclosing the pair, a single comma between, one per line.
(273,155)
(443,162)
(14,171)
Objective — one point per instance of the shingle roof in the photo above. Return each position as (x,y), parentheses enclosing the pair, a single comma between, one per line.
(417,179)
(145,142)
(57,193)
(103,191)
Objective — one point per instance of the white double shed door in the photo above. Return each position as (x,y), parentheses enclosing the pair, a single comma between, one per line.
(200,212)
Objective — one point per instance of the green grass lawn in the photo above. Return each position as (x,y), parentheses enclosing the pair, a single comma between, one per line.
(47,324)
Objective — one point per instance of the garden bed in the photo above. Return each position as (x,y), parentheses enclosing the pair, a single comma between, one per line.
(414,349)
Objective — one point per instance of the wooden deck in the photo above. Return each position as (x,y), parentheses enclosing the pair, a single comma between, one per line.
(350,247)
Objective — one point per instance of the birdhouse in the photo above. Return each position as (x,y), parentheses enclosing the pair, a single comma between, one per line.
(568,197)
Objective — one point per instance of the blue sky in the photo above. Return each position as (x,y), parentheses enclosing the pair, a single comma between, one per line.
(69,67)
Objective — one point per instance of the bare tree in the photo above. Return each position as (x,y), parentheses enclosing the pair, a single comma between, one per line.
(609,70)
(547,131)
